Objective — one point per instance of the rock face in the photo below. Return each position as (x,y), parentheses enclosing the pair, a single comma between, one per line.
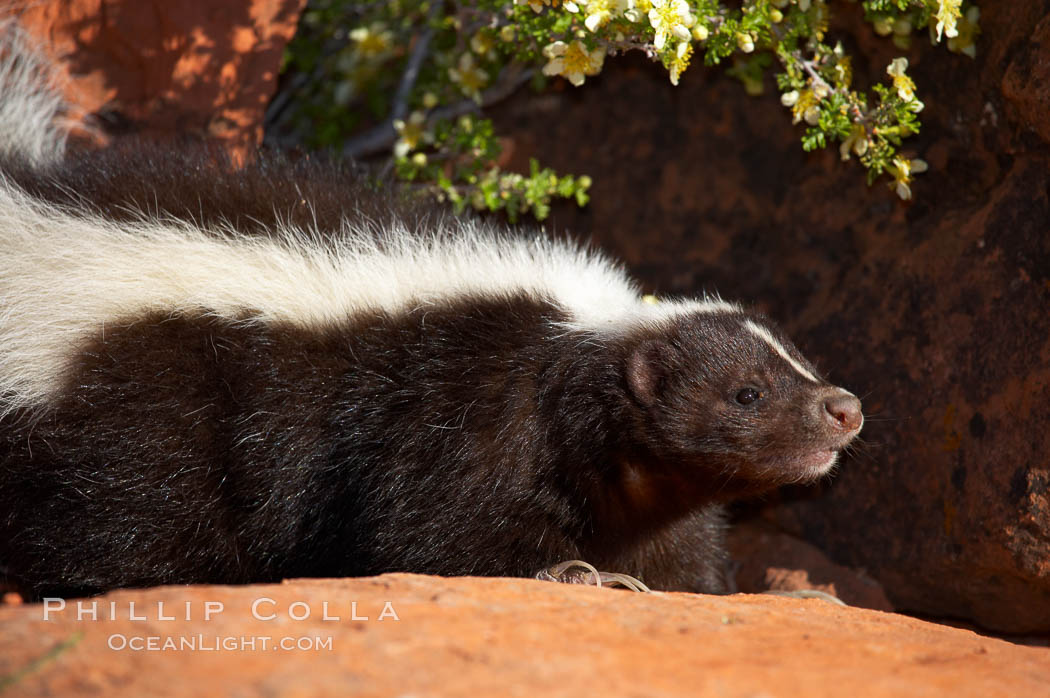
(201,70)
(767,559)
(934,311)
(493,637)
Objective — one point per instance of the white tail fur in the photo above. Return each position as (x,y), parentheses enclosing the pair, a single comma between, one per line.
(31,107)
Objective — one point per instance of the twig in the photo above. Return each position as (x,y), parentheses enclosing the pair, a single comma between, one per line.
(382,136)
(415,62)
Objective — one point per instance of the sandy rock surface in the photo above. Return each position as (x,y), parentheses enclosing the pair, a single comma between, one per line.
(496,637)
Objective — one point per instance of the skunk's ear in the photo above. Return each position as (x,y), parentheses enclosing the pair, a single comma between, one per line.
(647,368)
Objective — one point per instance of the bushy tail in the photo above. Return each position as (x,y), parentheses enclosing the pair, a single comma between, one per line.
(33,123)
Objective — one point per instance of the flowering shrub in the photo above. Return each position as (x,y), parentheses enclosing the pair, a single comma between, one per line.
(409,78)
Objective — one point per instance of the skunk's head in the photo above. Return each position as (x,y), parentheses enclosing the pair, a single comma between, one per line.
(726,396)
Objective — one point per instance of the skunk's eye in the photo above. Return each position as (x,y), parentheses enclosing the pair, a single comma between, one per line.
(747,396)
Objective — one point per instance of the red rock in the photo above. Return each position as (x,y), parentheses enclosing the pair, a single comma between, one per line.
(505,637)
(1026,84)
(161,69)
(769,560)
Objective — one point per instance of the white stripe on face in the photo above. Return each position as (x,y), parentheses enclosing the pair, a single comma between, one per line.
(764,334)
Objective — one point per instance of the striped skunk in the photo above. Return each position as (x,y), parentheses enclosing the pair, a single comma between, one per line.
(234,376)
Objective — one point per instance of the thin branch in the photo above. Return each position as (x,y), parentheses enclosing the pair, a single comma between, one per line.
(382,136)
(415,62)
(624,45)
(816,77)
(333,45)
(284,98)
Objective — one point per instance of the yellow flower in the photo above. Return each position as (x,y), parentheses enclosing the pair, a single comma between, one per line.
(843,71)
(947,14)
(411,134)
(857,142)
(536,5)
(482,42)
(372,41)
(904,84)
(637,10)
(902,171)
(468,76)
(670,18)
(803,106)
(573,61)
(683,52)
(965,41)
(599,12)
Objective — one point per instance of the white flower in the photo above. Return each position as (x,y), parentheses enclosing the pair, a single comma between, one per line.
(372,41)
(411,134)
(670,18)
(857,142)
(481,43)
(902,171)
(680,61)
(599,12)
(904,84)
(637,10)
(947,15)
(470,77)
(536,5)
(573,61)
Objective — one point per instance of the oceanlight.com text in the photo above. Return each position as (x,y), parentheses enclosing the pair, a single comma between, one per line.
(218,643)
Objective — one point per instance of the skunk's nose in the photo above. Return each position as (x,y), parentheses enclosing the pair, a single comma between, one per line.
(843,412)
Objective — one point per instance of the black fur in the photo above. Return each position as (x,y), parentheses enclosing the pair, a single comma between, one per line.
(194,182)
(473,437)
